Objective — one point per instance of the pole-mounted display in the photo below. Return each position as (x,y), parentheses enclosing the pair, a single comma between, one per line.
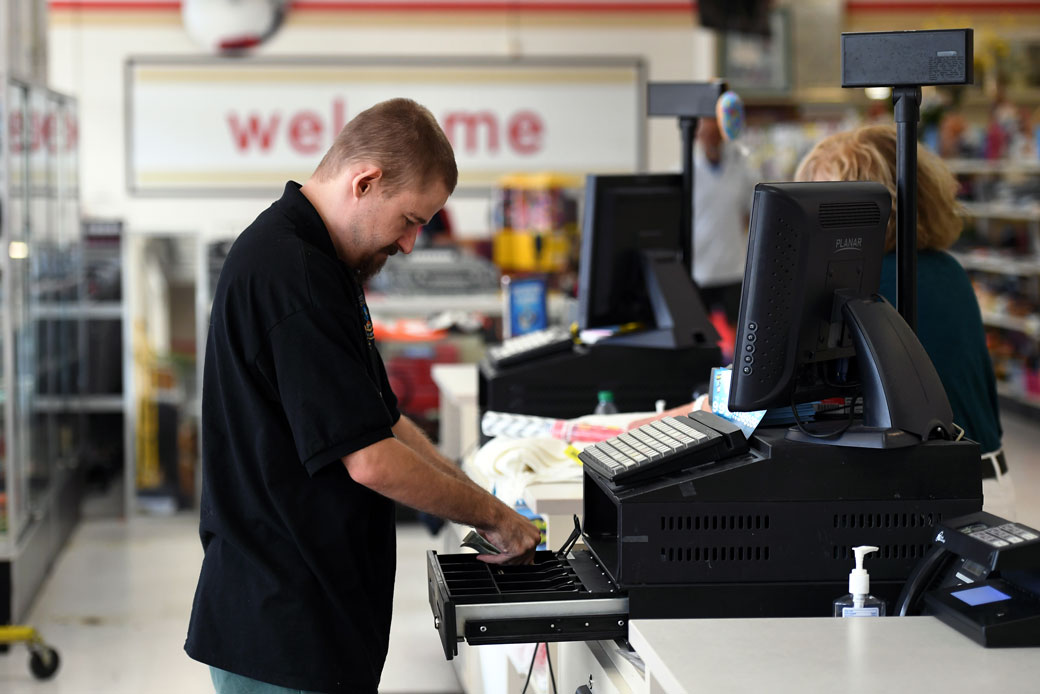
(906,61)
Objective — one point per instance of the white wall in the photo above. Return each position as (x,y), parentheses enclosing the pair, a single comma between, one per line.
(89,47)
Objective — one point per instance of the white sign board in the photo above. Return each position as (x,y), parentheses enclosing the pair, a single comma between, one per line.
(219,126)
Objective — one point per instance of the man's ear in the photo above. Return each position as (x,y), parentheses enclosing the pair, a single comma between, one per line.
(365,180)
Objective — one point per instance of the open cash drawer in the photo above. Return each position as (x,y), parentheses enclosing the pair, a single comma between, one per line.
(568,598)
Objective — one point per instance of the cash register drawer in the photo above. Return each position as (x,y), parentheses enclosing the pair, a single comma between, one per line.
(553,599)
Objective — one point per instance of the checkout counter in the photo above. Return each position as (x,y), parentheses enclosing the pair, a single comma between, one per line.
(795,655)
(716,574)
(775,653)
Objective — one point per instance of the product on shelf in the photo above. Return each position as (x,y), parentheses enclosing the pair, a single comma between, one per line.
(536,223)
(1000,248)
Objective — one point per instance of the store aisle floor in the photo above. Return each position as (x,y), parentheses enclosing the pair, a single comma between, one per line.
(1022,449)
(116,604)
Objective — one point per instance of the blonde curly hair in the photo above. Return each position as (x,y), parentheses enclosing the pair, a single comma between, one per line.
(869,154)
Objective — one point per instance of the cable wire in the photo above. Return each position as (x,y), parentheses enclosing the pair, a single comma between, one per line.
(831,435)
(548,661)
(530,668)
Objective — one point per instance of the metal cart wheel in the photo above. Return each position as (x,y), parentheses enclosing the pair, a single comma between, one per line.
(43,662)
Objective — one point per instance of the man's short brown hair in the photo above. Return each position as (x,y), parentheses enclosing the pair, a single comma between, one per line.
(868,153)
(402,138)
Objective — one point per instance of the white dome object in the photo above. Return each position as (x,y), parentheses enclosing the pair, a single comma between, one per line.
(227,26)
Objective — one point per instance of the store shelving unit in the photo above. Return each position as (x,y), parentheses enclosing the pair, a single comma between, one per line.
(999,167)
(210,255)
(41,478)
(103,397)
(1001,250)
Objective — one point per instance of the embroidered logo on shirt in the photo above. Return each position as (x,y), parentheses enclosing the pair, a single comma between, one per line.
(366,317)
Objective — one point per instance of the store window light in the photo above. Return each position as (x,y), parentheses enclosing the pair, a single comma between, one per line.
(18,250)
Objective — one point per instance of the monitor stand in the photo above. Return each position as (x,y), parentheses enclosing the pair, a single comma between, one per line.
(904,402)
(679,315)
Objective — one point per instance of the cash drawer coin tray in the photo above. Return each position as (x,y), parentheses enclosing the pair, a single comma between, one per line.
(569,598)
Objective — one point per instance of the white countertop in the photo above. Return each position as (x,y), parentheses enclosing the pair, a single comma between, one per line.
(554,498)
(840,656)
(457,381)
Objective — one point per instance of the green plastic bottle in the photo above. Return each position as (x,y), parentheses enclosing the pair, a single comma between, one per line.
(606,403)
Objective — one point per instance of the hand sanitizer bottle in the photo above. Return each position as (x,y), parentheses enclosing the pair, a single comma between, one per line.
(859,602)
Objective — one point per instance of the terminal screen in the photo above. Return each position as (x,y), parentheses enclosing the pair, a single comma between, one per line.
(983,595)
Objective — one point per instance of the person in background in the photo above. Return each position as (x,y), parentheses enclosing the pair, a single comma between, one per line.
(722,190)
(949,322)
(304,450)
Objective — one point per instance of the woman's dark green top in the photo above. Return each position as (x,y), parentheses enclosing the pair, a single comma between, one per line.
(949,325)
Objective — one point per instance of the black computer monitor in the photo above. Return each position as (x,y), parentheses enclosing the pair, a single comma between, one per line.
(812,324)
(741,16)
(632,268)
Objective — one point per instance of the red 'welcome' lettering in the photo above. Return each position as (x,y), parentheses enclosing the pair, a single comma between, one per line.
(308,132)
(525,132)
(71,132)
(305,132)
(47,133)
(472,124)
(49,130)
(16,129)
(339,116)
(253,130)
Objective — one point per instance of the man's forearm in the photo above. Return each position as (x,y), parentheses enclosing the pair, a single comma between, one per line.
(401,473)
(408,433)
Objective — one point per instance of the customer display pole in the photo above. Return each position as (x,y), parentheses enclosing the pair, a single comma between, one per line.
(906,61)
(688,136)
(689,101)
(907,101)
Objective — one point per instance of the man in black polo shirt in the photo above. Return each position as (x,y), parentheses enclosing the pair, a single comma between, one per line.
(304,450)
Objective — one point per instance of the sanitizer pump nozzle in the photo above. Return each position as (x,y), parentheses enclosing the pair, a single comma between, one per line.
(859,602)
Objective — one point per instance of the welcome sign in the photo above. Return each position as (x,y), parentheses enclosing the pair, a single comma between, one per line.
(220,126)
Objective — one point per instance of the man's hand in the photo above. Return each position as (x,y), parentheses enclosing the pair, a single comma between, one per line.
(516,536)
(393,469)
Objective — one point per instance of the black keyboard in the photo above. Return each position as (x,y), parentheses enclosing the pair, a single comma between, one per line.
(663,446)
(530,346)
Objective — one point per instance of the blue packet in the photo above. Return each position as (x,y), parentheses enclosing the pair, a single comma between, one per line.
(720,383)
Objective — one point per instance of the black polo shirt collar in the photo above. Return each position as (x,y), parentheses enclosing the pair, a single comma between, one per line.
(309,225)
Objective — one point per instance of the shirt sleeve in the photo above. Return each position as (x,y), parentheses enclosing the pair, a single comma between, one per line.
(752,177)
(326,381)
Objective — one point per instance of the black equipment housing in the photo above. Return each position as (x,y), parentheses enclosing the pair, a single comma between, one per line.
(765,534)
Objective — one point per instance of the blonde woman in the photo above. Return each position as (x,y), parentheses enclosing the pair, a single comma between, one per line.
(949,321)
